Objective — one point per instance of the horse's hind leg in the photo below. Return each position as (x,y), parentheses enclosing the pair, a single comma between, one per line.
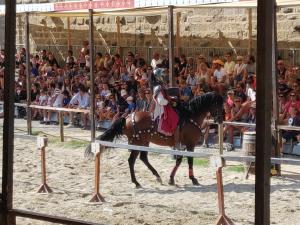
(131,160)
(178,162)
(144,158)
(191,171)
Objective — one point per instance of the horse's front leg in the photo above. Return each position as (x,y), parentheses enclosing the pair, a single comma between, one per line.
(131,160)
(172,176)
(191,168)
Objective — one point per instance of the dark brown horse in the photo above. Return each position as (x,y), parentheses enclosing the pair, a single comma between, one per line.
(141,130)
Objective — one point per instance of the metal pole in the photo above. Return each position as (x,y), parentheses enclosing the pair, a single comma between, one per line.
(250,32)
(171,45)
(265,54)
(8,123)
(28,73)
(92,90)
(118,34)
(178,41)
(69,34)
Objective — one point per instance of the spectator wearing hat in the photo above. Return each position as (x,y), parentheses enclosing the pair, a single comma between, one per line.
(219,72)
(239,73)
(131,105)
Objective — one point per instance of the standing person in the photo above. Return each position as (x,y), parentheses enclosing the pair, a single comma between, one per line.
(250,65)
(229,68)
(219,72)
(239,73)
(155,60)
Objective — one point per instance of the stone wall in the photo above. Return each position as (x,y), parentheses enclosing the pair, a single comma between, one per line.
(198,28)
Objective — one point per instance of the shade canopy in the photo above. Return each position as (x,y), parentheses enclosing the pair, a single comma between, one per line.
(133,7)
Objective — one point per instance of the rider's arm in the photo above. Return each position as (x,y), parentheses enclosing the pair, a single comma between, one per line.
(161,100)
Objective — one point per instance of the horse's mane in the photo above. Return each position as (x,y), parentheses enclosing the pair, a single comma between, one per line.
(200,104)
(204,102)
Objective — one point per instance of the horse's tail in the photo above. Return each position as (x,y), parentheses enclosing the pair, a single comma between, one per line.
(115,131)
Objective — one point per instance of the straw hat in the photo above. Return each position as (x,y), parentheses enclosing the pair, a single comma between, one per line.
(218,61)
(130,98)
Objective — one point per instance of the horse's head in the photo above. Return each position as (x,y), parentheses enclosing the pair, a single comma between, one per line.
(210,102)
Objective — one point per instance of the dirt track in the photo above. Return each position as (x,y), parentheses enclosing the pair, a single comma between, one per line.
(71,178)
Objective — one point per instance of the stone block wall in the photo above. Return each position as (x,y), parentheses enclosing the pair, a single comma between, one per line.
(198,28)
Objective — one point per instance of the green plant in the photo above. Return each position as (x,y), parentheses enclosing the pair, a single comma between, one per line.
(236,168)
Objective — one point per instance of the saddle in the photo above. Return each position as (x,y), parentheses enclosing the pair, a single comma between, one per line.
(174,94)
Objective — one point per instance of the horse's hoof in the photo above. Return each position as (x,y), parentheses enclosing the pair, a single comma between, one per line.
(172,182)
(138,186)
(159,180)
(195,181)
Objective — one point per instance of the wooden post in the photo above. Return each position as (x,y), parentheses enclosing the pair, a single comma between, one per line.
(61,126)
(265,71)
(42,144)
(178,39)
(6,202)
(97,197)
(118,35)
(171,45)
(222,218)
(69,34)
(92,89)
(28,74)
(250,42)
(276,132)
(220,131)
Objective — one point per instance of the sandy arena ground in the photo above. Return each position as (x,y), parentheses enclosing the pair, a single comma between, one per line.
(71,178)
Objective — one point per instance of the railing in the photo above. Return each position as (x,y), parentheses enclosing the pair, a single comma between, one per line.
(291,56)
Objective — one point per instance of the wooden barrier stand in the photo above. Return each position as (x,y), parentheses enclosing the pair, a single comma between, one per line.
(42,143)
(97,197)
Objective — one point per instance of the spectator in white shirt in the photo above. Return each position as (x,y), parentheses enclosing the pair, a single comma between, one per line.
(155,60)
(219,70)
(82,101)
(250,91)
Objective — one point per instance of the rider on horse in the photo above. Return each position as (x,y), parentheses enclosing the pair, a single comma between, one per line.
(166,115)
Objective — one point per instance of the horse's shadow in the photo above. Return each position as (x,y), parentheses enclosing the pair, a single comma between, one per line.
(229,187)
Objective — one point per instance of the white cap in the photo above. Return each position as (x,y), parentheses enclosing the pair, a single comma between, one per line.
(130,98)
(123,92)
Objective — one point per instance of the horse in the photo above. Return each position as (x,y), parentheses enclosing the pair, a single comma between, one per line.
(140,130)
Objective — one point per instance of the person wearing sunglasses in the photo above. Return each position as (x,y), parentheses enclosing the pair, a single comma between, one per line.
(293,101)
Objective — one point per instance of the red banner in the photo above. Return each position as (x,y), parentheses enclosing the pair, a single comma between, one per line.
(103,4)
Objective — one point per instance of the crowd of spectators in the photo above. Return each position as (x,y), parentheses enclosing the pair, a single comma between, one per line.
(124,84)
